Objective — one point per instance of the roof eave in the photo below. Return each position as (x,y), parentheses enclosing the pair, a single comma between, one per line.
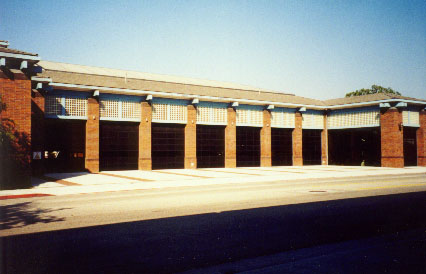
(376,102)
(34,59)
(178,95)
(225,99)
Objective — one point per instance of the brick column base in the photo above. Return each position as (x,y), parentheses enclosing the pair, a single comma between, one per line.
(145,158)
(191,139)
(297,141)
(421,140)
(265,140)
(392,138)
(92,136)
(231,139)
(324,143)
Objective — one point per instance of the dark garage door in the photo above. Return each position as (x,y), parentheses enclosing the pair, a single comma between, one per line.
(210,146)
(354,146)
(65,145)
(281,146)
(410,146)
(119,145)
(248,146)
(168,146)
(311,146)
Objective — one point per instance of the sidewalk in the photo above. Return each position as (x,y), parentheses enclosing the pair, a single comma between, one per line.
(82,182)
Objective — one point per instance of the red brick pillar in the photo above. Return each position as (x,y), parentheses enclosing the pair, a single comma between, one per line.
(421,140)
(297,140)
(324,142)
(265,140)
(392,138)
(92,136)
(231,139)
(191,138)
(37,131)
(145,157)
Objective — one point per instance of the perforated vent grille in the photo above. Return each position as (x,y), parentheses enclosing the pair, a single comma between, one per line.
(169,113)
(211,115)
(177,113)
(405,117)
(53,105)
(282,119)
(130,110)
(59,105)
(159,112)
(353,118)
(249,117)
(221,115)
(119,109)
(108,108)
(75,107)
(313,120)
(410,118)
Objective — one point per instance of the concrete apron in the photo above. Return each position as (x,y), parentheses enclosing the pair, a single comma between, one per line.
(82,182)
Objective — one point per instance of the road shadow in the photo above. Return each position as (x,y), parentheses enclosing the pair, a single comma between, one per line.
(23,214)
(176,244)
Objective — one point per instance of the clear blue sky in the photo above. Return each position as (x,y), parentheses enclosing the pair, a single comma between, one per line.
(316,49)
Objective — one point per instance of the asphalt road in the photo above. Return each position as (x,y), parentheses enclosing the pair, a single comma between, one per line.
(172,230)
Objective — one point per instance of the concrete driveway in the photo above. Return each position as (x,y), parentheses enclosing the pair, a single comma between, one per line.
(83,182)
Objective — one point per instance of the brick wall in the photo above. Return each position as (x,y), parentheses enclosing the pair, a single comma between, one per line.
(324,143)
(191,138)
(421,140)
(392,146)
(297,141)
(92,136)
(16,93)
(145,154)
(37,130)
(15,90)
(231,139)
(265,140)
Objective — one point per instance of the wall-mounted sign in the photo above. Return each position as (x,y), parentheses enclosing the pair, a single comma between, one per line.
(37,155)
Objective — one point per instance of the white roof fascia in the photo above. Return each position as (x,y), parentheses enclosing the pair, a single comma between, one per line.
(180,96)
(223,99)
(19,56)
(41,79)
(372,103)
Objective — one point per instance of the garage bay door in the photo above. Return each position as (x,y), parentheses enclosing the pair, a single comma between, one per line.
(248,146)
(281,146)
(210,146)
(168,146)
(119,145)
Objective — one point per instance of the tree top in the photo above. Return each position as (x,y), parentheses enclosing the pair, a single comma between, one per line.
(373,90)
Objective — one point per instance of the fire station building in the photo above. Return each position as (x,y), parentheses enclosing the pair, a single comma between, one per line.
(90,118)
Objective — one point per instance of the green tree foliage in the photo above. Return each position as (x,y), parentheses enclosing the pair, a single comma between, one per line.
(14,155)
(373,90)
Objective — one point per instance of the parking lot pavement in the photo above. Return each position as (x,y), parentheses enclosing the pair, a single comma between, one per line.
(83,182)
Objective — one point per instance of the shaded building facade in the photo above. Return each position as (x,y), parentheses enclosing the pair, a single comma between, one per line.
(90,118)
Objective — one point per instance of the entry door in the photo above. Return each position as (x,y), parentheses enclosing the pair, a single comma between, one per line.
(65,145)
(119,145)
(410,146)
